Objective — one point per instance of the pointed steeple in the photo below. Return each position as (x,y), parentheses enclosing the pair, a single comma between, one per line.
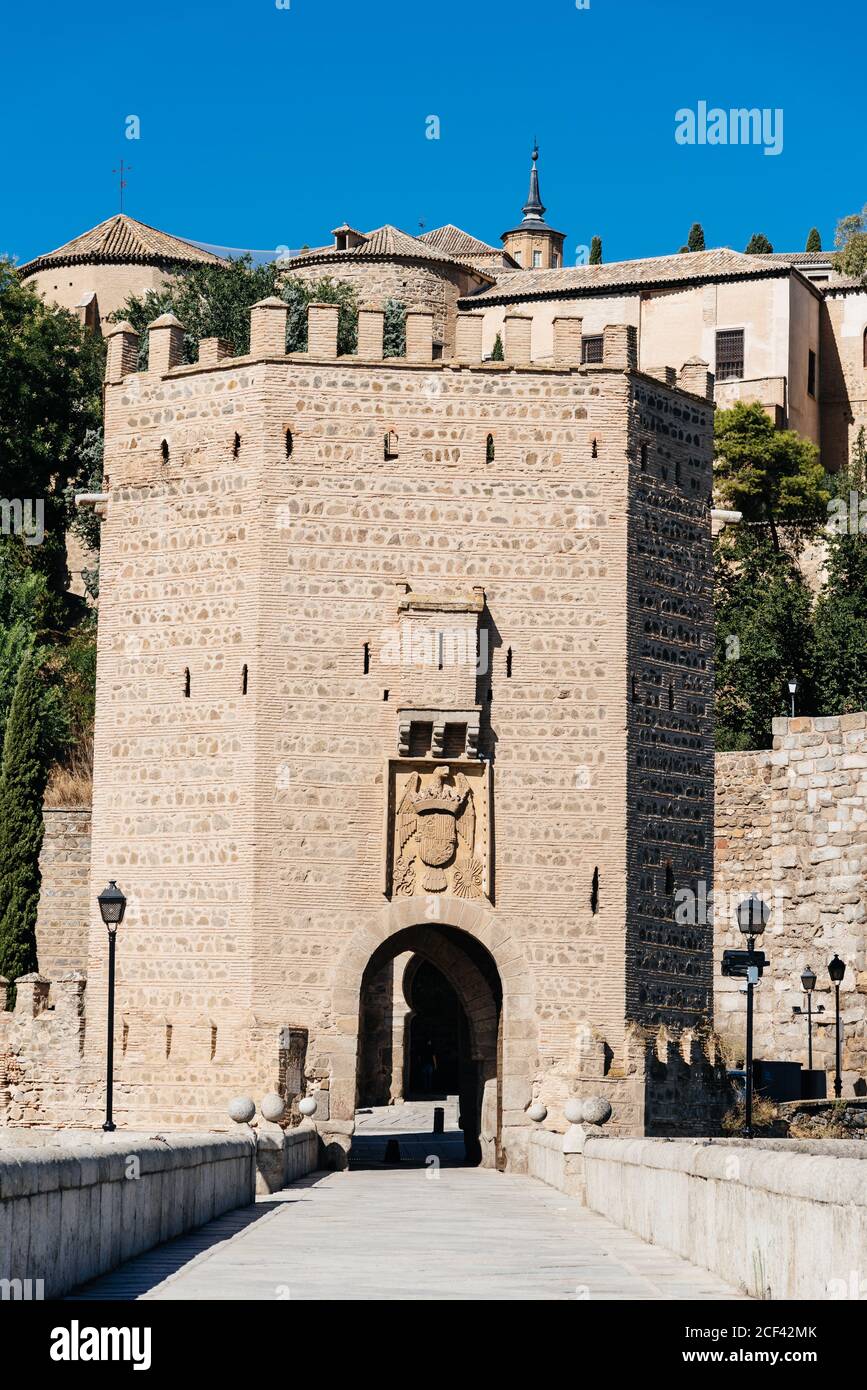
(533,244)
(534,208)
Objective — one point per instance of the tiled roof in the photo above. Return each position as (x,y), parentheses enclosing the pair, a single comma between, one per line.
(385,241)
(684,268)
(800,257)
(843,282)
(121,240)
(458,243)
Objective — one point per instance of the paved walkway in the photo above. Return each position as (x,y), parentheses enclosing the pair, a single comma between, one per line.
(410,1232)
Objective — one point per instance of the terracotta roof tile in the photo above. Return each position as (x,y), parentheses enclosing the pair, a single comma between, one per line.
(386,241)
(456,242)
(122,239)
(683,268)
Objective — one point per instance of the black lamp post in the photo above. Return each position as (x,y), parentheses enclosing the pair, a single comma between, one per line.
(793,690)
(112,905)
(837,969)
(752,917)
(808,980)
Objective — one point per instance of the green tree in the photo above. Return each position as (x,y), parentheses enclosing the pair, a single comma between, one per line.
(596,250)
(214,301)
(299,293)
(841,610)
(497,354)
(211,301)
(850,240)
(758,245)
(51,371)
(772,476)
(394,329)
(814,240)
(22,786)
(763,635)
(695,241)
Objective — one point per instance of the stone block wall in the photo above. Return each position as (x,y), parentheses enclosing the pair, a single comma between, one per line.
(792,827)
(256,554)
(70,1213)
(64,909)
(420,284)
(843,373)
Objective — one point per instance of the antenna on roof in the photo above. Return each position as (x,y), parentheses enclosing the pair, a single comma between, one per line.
(124,169)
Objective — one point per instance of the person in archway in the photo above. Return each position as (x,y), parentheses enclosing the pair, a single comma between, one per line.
(428,1067)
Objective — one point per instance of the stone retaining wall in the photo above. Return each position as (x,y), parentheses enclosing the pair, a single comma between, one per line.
(71,1211)
(64,908)
(775,1219)
(791,825)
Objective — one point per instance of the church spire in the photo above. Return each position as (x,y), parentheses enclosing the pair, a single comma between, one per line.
(534,208)
(534,245)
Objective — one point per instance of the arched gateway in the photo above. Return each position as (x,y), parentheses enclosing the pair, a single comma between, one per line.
(479,960)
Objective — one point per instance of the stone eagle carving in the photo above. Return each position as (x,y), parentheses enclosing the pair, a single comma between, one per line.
(436,823)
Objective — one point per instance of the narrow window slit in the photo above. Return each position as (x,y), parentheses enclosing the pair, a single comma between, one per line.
(594,892)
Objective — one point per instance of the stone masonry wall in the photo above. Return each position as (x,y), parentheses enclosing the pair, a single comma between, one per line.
(422,284)
(792,827)
(843,374)
(64,910)
(256,552)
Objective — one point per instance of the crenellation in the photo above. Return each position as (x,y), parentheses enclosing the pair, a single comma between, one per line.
(448,620)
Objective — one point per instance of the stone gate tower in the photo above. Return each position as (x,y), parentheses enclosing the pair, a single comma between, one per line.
(403,656)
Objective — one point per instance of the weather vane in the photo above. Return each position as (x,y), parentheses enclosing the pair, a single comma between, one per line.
(124,169)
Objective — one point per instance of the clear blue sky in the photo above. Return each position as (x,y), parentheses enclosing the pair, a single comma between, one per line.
(263,126)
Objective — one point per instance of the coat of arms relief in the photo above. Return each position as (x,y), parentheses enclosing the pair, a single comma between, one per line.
(440,831)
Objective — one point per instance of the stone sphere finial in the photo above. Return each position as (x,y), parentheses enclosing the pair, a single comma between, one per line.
(241,1110)
(273,1107)
(596,1111)
(537,1112)
(574,1111)
(307,1106)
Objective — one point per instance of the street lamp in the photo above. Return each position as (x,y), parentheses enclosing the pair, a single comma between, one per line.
(837,969)
(112,905)
(752,915)
(808,980)
(793,690)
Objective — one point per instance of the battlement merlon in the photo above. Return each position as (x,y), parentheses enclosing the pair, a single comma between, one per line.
(268,321)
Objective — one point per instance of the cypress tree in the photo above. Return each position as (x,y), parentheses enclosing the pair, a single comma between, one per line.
(814,241)
(497,354)
(696,238)
(23,775)
(596,250)
(759,245)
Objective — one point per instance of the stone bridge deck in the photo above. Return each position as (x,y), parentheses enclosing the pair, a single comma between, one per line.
(410,1232)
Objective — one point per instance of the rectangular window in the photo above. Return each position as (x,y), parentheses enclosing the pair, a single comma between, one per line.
(420,739)
(811,373)
(730,355)
(592,348)
(537,260)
